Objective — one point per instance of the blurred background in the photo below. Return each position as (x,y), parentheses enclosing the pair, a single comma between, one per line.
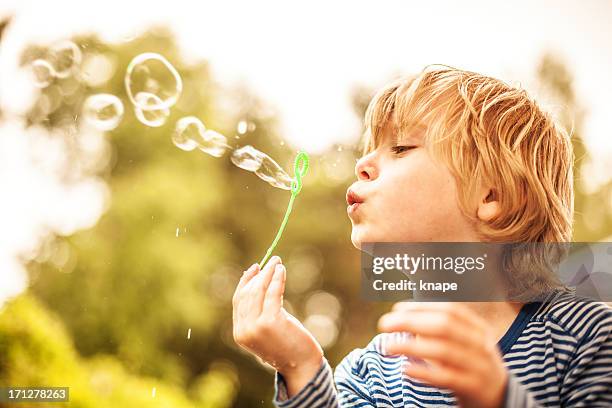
(120,252)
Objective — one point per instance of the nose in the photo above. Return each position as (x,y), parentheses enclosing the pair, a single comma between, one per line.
(365,168)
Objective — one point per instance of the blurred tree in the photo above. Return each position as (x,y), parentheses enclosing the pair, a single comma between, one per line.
(179,229)
(181,226)
(592,209)
(35,350)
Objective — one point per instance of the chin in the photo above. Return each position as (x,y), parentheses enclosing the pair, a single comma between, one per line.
(355,239)
(359,236)
(356,243)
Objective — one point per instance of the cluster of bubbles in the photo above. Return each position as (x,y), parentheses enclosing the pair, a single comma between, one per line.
(61,60)
(153,86)
(190,133)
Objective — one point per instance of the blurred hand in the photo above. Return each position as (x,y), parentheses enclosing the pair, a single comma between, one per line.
(264,328)
(459,350)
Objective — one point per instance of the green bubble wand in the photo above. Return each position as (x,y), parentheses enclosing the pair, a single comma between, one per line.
(300,167)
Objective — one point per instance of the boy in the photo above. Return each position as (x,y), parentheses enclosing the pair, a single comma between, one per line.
(450,156)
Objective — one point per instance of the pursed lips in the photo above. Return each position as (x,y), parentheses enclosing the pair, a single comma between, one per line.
(353,201)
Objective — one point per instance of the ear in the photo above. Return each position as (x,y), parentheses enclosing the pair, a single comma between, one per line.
(488,205)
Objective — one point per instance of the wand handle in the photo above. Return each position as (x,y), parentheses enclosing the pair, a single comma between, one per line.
(300,167)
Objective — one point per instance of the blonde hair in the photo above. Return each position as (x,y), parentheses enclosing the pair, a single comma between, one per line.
(487,132)
(492,134)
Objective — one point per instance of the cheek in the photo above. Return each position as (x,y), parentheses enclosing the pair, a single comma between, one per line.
(423,200)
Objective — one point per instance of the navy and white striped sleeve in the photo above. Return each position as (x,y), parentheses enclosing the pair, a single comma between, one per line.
(319,392)
(517,395)
(349,389)
(588,379)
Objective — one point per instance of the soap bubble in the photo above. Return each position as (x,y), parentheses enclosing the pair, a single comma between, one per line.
(188,133)
(251,159)
(103,111)
(247,158)
(214,143)
(151,73)
(65,57)
(43,73)
(150,117)
(274,174)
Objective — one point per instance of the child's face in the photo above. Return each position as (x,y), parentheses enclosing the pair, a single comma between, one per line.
(406,196)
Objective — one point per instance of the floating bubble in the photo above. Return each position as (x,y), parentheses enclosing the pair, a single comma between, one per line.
(247,158)
(214,143)
(103,111)
(274,174)
(150,117)
(43,73)
(188,133)
(151,73)
(65,57)
(251,159)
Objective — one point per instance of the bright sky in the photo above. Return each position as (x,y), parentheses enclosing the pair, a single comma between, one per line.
(305,58)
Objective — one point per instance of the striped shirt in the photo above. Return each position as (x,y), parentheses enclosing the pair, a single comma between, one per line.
(558,353)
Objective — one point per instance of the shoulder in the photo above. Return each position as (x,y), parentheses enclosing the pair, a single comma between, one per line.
(578,317)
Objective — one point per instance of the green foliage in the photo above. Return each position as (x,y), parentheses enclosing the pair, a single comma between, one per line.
(593,217)
(35,350)
(130,288)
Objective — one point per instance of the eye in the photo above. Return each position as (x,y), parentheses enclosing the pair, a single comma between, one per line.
(401,149)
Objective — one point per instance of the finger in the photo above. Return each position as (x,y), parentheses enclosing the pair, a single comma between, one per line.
(246,277)
(439,351)
(399,306)
(241,300)
(478,328)
(270,264)
(455,309)
(432,324)
(274,295)
(443,377)
(258,286)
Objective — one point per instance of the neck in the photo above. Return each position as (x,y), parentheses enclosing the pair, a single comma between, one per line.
(499,315)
